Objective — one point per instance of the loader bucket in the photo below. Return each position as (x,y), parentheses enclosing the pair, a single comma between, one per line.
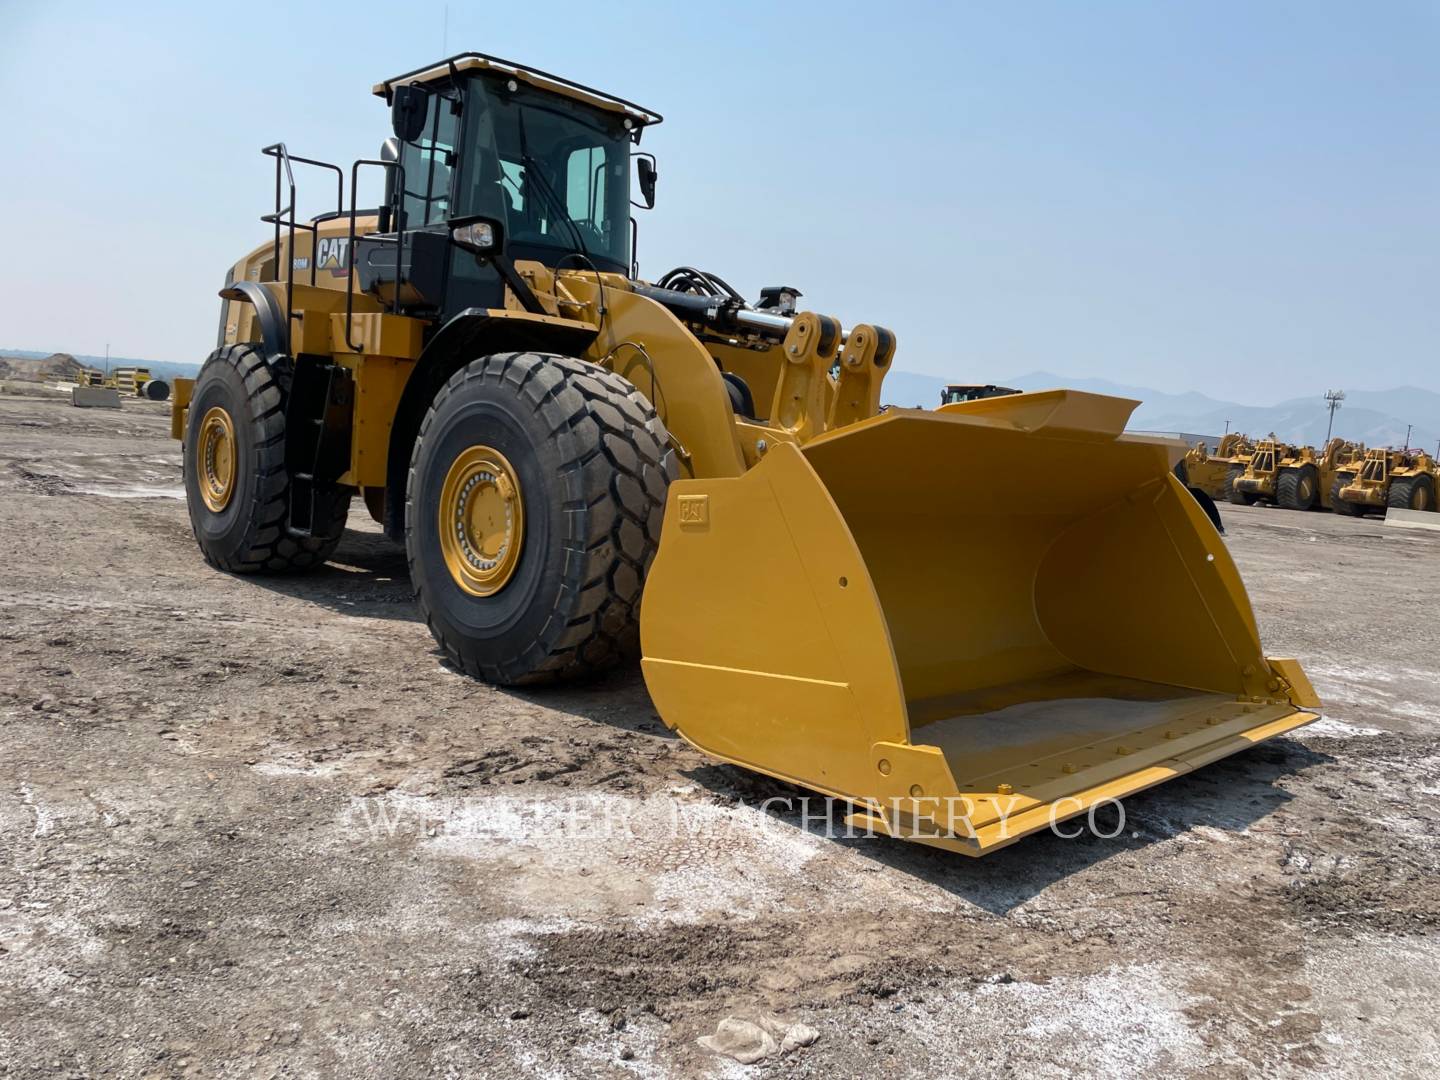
(970,623)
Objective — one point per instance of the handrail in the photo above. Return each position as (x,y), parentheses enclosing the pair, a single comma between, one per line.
(399,211)
(285,215)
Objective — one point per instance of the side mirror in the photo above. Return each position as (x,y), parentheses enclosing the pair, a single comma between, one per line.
(645,168)
(408,106)
(389,151)
(484,236)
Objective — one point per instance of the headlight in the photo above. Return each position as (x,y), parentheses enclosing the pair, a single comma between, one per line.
(478,236)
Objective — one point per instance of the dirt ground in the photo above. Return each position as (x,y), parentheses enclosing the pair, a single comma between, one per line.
(254,827)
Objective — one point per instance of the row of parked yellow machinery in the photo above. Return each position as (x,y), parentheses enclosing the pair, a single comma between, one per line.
(1344,476)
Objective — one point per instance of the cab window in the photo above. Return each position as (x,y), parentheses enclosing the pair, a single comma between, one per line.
(429,162)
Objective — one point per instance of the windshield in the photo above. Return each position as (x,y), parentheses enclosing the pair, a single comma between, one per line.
(556,172)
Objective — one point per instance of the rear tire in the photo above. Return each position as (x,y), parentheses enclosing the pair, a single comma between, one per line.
(540,575)
(1339,505)
(1412,493)
(241,525)
(1298,489)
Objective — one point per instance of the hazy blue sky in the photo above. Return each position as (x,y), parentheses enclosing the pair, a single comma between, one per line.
(1183,196)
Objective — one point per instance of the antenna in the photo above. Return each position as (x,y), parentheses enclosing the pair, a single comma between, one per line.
(1333,398)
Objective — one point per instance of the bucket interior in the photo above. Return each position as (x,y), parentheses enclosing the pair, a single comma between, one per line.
(1040,592)
(989,735)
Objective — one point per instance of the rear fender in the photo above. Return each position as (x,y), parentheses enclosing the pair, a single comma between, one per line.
(274,333)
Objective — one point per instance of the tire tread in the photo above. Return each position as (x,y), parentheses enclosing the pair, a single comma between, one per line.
(1401,495)
(616,468)
(1287,488)
(1339,505)
(270,547)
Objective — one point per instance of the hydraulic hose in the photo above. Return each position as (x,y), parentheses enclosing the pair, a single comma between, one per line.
(721,312)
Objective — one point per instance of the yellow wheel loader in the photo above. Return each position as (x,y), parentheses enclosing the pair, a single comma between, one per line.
(859,602)
(1405,479)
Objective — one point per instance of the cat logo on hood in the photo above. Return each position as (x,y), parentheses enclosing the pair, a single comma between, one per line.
(334,254)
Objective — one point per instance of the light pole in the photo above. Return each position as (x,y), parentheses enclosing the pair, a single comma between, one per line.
(1333,398)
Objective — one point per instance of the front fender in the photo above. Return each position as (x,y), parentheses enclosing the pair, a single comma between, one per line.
(473,333)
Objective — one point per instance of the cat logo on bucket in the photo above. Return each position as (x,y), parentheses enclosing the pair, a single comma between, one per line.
(334,254)
(695,511)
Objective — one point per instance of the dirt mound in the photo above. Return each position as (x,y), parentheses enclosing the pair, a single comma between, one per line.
(60,366)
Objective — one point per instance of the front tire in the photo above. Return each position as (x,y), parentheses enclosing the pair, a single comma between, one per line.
(535,497)
(1339,505)
(1234,494)
(1298,489)
(236,486)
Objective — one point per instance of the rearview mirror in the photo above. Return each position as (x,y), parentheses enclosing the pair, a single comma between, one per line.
(407,112)
(645,168)
(389,151)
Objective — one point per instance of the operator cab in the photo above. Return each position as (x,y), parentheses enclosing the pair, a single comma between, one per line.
(545,162)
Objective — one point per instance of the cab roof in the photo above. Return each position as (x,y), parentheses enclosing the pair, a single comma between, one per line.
(542,80)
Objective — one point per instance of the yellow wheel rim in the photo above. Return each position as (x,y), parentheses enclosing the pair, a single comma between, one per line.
(216,458)
(482,521)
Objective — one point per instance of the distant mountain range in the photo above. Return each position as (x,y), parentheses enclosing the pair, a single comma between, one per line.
(1374,417)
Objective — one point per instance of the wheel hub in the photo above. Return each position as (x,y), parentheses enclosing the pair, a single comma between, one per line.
(482,520)
(217,456)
